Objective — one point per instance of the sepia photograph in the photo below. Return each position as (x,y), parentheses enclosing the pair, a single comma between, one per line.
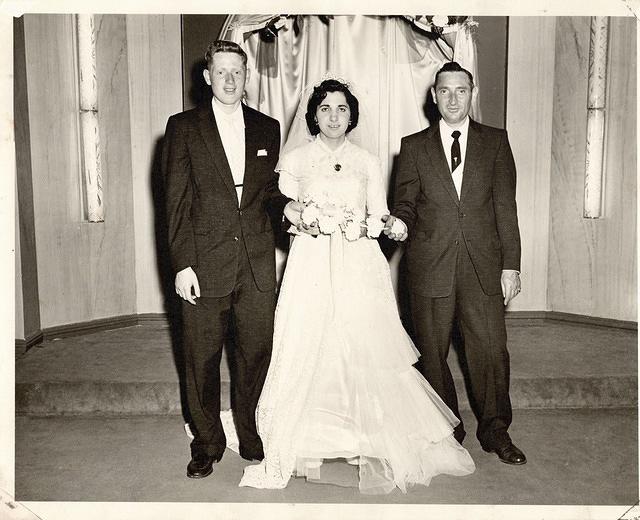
(347,263)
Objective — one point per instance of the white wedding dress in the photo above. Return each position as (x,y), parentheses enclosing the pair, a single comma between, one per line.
(341,382)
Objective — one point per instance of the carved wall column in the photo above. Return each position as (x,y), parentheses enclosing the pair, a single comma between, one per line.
(596,109)
(89,133)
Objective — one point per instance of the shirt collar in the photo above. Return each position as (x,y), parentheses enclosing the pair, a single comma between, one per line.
(446,130)
(328,150)
(235,117)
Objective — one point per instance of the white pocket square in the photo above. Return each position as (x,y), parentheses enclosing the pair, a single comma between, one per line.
(262,152)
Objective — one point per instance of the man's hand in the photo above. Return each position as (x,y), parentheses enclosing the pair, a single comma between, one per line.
(510,282)
(399,233)
(186,281)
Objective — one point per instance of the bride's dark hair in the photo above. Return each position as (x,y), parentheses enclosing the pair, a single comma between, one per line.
(319,93)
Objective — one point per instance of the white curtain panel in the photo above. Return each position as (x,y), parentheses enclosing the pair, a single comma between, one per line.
(389,62)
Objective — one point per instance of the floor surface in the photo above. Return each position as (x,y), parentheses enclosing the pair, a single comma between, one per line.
(575,457)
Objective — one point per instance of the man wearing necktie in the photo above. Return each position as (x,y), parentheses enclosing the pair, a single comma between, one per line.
(455,203)
(223,202)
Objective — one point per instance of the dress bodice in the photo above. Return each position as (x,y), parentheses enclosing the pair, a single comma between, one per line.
(349,176)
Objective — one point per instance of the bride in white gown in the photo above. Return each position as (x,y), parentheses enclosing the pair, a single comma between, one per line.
(341,382)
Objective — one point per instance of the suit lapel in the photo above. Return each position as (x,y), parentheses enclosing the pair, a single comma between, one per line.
(211,136)
(472,157)
(252,136)
(439,160)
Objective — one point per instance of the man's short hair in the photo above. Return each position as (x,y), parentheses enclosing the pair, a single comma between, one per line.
(453,66)
(224,46)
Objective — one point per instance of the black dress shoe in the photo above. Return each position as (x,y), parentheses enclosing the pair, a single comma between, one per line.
(252,455)
(510,454)
(201,465)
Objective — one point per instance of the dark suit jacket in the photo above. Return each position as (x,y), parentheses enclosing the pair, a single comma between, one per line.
(484,218)
(206,226)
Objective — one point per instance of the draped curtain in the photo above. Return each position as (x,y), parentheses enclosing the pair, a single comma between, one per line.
(390,63)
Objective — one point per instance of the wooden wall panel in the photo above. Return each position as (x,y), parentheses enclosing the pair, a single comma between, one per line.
(19,312)
(25,242)
(491,42)
(85,271)
(115,265)
(531,53)
(616,278)
(155,85)
(592,262)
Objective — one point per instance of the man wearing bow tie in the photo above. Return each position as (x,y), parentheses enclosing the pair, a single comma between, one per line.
(223,204)
(455,203)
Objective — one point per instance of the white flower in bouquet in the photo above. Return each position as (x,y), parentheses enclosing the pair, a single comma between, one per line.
(374,227)
(440,20)
(328,224)
(351,230)
(331,215)
(310,214)
(348,214)
(397,228)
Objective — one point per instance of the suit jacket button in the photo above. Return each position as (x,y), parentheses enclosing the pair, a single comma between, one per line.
(240,212)
(455,242)
(235,238)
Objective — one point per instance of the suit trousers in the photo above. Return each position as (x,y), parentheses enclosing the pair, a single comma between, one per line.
(246,314)
(480,319)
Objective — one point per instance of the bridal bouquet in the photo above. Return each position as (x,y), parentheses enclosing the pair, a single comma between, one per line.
(331,215)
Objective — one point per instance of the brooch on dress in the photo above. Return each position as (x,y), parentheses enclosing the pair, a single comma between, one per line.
(337,167)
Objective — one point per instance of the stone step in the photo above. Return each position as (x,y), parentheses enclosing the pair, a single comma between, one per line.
(133,371)
(144,398)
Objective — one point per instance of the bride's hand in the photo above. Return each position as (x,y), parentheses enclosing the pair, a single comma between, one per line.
(293,212)
(311,229)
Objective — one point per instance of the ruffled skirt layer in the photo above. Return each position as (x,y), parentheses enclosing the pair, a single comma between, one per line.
(341,382)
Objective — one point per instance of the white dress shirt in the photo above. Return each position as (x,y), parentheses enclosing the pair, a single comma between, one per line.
(447,141)
(231,130)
